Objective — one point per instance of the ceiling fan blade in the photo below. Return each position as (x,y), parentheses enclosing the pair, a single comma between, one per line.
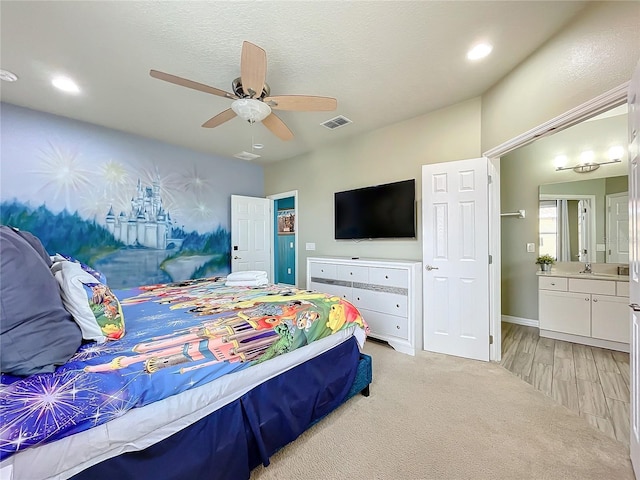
(253,69)
(183,82)
(222,117)
(277,127)
(302,103)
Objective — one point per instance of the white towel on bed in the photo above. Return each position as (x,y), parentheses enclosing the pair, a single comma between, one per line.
(247,275)
(246,283)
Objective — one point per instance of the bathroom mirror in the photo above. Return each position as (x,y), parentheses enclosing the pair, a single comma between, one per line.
(585,220)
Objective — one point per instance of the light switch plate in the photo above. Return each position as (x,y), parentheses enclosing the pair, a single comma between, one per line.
(531,247)
(601,247)
(311,246)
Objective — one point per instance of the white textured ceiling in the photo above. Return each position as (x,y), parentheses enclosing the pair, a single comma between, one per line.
(384,61)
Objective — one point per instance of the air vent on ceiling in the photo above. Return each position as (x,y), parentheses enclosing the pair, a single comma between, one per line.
(246,156)
(336,122)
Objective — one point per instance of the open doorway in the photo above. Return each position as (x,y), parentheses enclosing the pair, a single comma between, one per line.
(566,355)
(285,234)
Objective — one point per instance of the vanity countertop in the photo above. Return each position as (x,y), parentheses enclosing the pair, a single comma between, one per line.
(585,276)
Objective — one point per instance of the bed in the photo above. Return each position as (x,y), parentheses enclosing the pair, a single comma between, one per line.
(192,379)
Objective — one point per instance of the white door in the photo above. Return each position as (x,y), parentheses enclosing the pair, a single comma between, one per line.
(634,277)
(618,228)
(251,234)
(455,253)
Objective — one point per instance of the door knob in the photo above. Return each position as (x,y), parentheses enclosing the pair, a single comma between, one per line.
(237,258)
(429,268)
(635,306)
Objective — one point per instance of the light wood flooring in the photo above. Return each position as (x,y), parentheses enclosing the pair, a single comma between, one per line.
(591,381)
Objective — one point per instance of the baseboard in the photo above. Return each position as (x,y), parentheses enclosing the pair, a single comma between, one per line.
(521,321)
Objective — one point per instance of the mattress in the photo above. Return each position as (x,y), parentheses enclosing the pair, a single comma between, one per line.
(156,421)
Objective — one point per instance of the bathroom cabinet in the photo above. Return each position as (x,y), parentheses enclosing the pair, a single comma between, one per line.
(585,310)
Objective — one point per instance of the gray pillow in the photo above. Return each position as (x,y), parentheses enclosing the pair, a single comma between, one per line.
(36,332)
(35,243)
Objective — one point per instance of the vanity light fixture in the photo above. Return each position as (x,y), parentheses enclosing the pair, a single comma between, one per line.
(587,161)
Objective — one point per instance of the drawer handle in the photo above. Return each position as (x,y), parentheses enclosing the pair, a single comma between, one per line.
(635,307)
(358,298)
(350,273)
(397,305)
(386,276)
(553,284)
(398,327)
(586,299)
(595,299)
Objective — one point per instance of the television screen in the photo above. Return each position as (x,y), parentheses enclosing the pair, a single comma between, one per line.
(381,211)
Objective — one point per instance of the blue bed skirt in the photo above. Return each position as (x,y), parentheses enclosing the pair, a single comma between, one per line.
(230,442)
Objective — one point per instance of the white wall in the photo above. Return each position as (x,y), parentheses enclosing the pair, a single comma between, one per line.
(393,153)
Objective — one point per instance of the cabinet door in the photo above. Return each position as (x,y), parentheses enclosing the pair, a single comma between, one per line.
(610,318)
(565,312)
(383,325)
(383,302)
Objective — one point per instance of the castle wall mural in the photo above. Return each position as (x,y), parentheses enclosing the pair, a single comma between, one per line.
(139,210)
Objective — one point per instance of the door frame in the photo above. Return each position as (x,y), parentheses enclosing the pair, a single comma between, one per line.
(610,99)
(296,231)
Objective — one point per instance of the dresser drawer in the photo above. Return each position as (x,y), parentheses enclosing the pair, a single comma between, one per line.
(386,325)
(323,270)
(601,287)
(389,277)
(622,289)
(353,273)
(553,283)
(383,302)
(332,289)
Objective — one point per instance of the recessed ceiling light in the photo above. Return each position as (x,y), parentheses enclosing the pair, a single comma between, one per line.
(479,51)
(65,84)
(8,76)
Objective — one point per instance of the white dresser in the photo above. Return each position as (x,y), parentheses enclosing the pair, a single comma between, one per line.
(388,294)
(582,309)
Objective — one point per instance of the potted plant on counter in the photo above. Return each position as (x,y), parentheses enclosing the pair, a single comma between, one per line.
(545,261)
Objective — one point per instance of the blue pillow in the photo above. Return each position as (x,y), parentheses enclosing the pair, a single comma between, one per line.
(36,333)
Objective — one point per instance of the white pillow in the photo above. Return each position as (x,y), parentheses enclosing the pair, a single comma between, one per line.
(71,279)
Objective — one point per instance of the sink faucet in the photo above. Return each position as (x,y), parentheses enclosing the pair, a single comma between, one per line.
(587,268)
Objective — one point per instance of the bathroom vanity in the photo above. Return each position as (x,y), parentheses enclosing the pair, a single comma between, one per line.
(589,308)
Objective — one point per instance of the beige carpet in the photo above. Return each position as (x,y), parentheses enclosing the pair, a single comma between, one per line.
(439,417)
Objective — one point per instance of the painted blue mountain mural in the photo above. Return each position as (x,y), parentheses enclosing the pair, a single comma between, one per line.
(187,254)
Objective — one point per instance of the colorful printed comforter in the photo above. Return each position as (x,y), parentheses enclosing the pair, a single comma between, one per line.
(179,336)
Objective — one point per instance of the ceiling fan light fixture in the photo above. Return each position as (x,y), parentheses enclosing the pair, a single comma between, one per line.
(251,110)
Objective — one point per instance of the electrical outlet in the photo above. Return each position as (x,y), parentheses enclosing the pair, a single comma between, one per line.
(290,244)
(311,246)
(289,271)
(531,247)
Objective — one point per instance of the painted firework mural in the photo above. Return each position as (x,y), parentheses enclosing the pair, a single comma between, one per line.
(138,210)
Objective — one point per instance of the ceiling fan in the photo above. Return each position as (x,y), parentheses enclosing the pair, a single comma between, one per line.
(251,95)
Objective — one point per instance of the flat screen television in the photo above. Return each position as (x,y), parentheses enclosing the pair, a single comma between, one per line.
(380,211)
